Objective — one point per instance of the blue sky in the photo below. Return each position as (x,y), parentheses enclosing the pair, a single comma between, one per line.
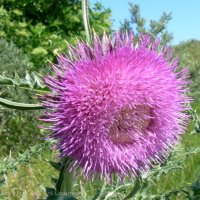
(185,23)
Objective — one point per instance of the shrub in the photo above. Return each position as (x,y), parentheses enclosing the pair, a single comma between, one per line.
(17,128)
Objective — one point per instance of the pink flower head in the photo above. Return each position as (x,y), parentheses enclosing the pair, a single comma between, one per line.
(117,106)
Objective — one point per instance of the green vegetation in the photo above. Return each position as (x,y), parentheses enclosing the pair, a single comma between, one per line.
(33,32)
(18,129)
(40,28)
(29,181)
(155,28)
(189,56)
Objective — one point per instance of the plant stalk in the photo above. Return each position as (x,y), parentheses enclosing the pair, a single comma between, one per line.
(66,179)
(86,20)
(19,106)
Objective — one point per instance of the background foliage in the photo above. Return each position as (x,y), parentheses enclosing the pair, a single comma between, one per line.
(40,28)
(189,56)
(31,34)
(18,129)
(137,23)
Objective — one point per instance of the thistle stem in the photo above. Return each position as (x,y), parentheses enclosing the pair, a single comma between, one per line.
(86,20)
(66,179)
(67,183)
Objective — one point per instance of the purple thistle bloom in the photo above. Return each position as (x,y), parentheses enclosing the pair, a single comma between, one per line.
(118,106)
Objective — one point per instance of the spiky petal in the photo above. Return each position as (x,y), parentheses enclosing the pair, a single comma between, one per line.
(117,106)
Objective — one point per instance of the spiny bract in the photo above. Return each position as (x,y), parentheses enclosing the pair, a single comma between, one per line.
(117,106)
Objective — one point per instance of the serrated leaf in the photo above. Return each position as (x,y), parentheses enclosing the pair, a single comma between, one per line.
(54,180)
(96,195)
(31,81)
(109,195)
(83,192)
(135,189)
(55,165)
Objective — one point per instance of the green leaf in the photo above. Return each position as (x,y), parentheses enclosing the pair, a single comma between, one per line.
(54,180)
(96,195)
(83,192)
(56,165)
(18,12)
(19,106)
(30,82)
(135,189)
(39,51)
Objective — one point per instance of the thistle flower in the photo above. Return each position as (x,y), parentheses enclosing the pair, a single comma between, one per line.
(117,106)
